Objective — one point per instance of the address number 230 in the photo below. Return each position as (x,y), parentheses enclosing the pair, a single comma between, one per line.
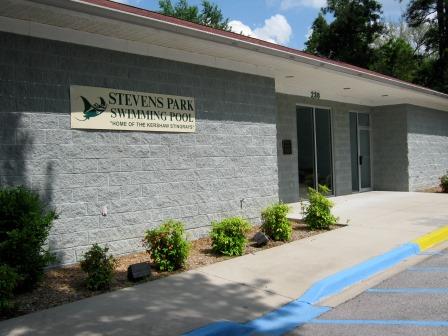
(315,95)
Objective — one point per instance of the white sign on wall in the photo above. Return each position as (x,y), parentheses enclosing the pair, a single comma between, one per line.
(111,109)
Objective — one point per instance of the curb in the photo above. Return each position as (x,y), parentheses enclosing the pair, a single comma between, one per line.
(336,283)
(302,310)
(433,238)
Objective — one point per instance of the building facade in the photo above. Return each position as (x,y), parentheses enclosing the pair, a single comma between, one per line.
(267,125)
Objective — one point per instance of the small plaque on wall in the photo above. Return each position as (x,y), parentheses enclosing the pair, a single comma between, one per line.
(287,147)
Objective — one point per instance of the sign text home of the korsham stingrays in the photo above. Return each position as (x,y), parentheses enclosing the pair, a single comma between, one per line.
(101,108)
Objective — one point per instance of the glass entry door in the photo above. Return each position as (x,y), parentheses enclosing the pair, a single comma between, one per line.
(360,151)
(314,149)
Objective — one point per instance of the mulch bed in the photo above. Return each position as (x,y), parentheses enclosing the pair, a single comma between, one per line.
(433,190)
(66,284)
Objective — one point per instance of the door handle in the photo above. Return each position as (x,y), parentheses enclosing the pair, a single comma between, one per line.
(360,160)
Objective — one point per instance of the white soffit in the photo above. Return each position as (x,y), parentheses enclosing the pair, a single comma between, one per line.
(291,75)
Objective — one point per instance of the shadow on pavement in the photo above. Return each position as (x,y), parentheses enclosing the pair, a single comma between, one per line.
(169,306)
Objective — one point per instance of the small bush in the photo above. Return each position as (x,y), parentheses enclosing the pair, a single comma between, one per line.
(99,268)
(318,213)
(8,282)
(444,183)
(275,224)
(229,236)
(25,223)
(167,245)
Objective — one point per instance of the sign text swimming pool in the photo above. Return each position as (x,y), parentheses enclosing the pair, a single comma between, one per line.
(111,109)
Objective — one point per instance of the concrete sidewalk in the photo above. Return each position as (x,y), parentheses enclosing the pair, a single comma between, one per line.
(244,288)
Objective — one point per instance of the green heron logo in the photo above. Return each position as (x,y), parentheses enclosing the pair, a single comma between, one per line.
(93,110)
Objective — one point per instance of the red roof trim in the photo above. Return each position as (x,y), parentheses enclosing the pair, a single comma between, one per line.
(187,24)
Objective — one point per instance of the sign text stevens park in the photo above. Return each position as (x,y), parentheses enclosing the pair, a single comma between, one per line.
(111,109)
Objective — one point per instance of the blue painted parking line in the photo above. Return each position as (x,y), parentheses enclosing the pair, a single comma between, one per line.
(336,283)
(409,290)
(286,318)
(428,269)
(384,322)
(223,328)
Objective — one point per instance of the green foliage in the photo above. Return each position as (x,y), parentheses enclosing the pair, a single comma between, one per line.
(418,52)
(319,36)
(426,72)
(229,236)
(275,224)
(8,282)
(210,14)
(318,213)
(350,35)
(25,223)
(182,10)
(433,14)
(167,245)
(395,58)
(444,183)
(99,268)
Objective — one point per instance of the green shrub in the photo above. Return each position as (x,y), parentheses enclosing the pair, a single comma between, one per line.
(25,223)
(8,282)
(229,236)
(167,245)
(99,268)
(318,213)
(275,224)
(444,183)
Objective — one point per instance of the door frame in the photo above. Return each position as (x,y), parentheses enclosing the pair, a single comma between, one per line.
(314,107)
(365,128)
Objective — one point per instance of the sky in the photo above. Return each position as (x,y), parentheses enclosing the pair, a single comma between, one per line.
(286,22)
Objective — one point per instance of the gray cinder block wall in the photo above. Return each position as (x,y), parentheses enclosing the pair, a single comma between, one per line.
(227,168)
(288,174)
(287,129)
(341,147)
(389,148)
(427,146)
(410,147)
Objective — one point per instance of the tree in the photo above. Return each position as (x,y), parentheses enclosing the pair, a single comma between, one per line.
(427,72)
(414,36)
(182,10)
(350,35)
(319,36)
(434,15)
(395,58)
(210,14)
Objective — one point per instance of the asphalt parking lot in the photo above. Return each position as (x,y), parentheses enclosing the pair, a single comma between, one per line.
(413,302)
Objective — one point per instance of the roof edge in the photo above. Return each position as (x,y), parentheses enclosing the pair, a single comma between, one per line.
(237,40)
